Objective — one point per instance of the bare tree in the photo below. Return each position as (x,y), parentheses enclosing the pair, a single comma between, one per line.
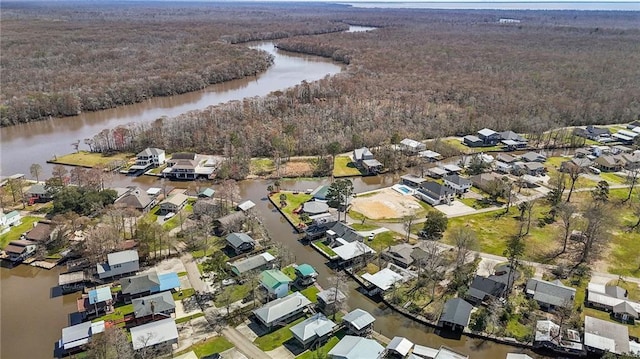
(36,170)
(566,212)
(110,344)
(595,233)
(632,180)
(407,221)
(340,287)
(574,172)
(465,241)
(59,171)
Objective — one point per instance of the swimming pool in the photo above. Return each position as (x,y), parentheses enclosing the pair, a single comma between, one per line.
(403,189)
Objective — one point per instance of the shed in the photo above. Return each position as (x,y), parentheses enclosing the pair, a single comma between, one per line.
(246,205)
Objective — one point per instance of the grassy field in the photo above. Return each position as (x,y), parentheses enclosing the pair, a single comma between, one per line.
(208,347)
(188,318)
(613,178)
(343,167)
(323,247)
(276,338)
(237,292)
(174,222)
(261,166)
(186,293)
(293,202)
(117,315)
(90,159)
(311,293)
(15,232)
(323,350)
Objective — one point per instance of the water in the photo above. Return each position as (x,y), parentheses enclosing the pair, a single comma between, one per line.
(521,5)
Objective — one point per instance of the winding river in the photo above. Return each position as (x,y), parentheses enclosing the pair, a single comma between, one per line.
(31,318)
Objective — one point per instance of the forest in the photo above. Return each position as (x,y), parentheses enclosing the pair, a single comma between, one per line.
(63,58)
(421,74)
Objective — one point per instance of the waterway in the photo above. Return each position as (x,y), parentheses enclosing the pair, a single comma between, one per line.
(31,318)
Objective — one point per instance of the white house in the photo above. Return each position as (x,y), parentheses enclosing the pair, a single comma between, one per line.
(8,220)
(154,333)
(457,183)
(119,263)
(412,146)
(173,203)
(151,156)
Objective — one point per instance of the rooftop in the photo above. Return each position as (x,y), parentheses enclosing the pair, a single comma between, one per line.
(238,239)
(351,347)
(279,308)
(273,278)
(153,304)
(315,326)
(383,279)
(154,333)
(359,318)
(456,311)
(100,295)
(122,257)
(606,335)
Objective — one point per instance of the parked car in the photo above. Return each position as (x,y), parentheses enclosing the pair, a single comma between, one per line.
(228,281)
(212,356)
(169,215)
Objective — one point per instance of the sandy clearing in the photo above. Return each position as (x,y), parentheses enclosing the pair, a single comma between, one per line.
(386,203)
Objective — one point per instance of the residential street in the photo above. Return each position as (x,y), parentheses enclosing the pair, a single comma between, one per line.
(243,344)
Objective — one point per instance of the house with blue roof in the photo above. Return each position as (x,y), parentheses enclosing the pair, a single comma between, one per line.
(305,275)
(149,283)
(97,302)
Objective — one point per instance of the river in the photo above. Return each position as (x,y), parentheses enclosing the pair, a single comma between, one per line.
(31,319)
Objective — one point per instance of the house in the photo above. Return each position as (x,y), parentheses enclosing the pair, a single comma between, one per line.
(612,299)
(549,336)
(358,322)
(412,146)
(246,206)
(119,263)
(206,193)
(97,302)
(154,307)
(37,193)
(533,157)
(530,168)
(342,230)
(71,282)
(420,351)
(632,125)
(472,141)
(41,233)
(609,163)
(283,310)
(349,251)
(155,333)
(411,180)
(625,312)
(399,347)
(313,331)
(436,172)
(592,133)
(173,203)
(601,336)
(135,198)
(19,250)
(400,254)
(576,164)
(452,169)
(583,152)
(503,157)
(434,193)
(489,137)
(456,314)
(372,166)
(361,154)
(260,262)
(383,280)
(240,242)
(431,156)
(550,295)
(179,156)
(483,180)
(229,223)
(320,193)
(459,184)
(632,160)
(148,158)
(275,282)
(148,283)
(329,300)
(9,220)
(75,337)
(512,140)
(351,347)
(485,288)
(305,275)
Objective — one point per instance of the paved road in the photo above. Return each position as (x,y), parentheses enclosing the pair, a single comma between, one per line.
(243,344)
(193,273)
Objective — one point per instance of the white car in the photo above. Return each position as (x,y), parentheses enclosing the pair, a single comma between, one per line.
(169,216)
(228,281)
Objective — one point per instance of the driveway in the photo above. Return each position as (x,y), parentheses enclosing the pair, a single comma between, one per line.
(455,209)
(243,344)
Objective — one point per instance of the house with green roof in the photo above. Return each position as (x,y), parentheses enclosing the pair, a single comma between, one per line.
(275,282)
(305,275)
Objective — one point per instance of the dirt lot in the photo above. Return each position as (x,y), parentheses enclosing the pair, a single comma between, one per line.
(386,203)
(296,169)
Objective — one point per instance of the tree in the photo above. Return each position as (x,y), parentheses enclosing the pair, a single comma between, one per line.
(270,189)
(435,225)
(513,252)
(339,285)
(16,186)
(574,171)
(566,212)
(465,241)
(333,149)
(283,200)
(601,192)
(508,191)
(495,189)
(407,222)
(526,209)
(59,171)
(554,197)
(110,344)
(595,233)
(35,170)
(338,195)
(477,165)
(632,180)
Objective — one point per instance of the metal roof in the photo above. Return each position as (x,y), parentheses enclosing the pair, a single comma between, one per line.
(69,278)
(352,250)
(237,239)
(153,304)
(154,333)
(351,347)
(168,281)
(315,326)
(246,205)
(315,207)
(329,296)
(383,279)
(456,311)
(122,257)
(400,345)
(251,263)
(359,318)
(273,278)
(100,295)
(306,270)
(279,308)
(618,333)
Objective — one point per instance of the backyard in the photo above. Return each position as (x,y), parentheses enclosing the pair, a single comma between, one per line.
(16,231)
(90,159)
(343,167)
(293,201)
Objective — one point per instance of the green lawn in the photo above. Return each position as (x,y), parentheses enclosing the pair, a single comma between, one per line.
(476,203)
(16,231)
(276,338)
(343,167)
(311,293)
(237,292)
(364,227)
(208,347)
(158,170)
(174,222)
(262,166)
(323,350)
(612,178)
(117,315)
(323,247)
(186,293)
(188,318)
(293,202)
(457,144)
(383,240)
(90,159)
(290,272)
